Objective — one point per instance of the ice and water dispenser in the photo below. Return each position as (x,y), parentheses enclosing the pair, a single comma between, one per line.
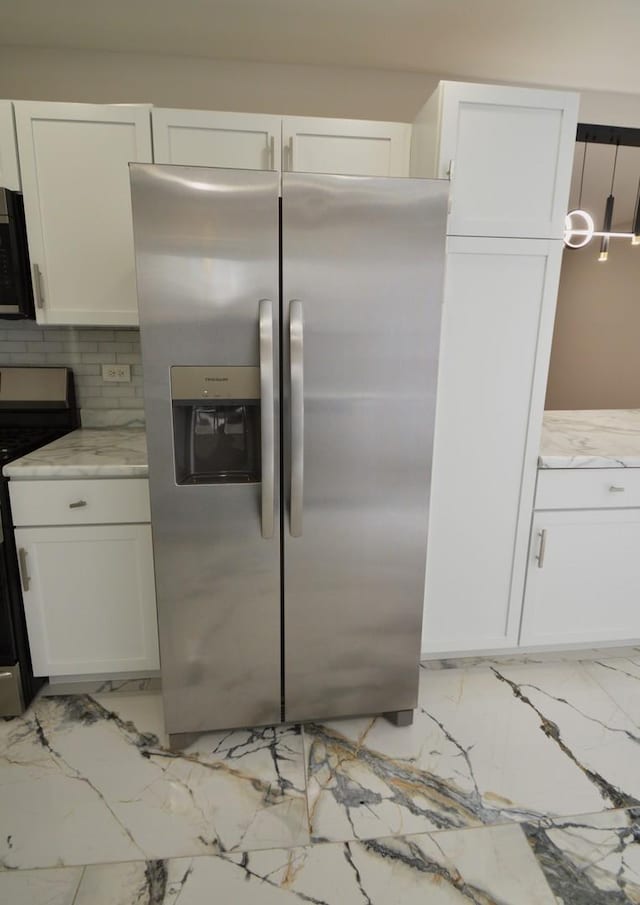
(216,424)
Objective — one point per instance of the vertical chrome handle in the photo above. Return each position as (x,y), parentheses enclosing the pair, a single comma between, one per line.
(542,548)
(290,167)
(37,286)
(24,575)
(272,152)
(267,431)
(296,363)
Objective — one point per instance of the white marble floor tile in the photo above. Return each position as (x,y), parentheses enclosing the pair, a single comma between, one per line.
(620,678)
(485,866)
(591,859)
(82,784)
(56,886)
(488,745)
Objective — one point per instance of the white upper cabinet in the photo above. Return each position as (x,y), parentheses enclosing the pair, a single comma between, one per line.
(248,141)
(497,322)
(75,178)
(509,153)
(345,147)
(9,169)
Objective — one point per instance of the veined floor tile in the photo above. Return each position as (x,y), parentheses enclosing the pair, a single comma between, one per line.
(592,859)
(487,745)
(485,866)
(82,784)
(56,886)
(620,678)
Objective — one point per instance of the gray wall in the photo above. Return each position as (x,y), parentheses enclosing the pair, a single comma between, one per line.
(595,358)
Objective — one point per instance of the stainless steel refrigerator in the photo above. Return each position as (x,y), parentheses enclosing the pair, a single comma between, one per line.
(290,328)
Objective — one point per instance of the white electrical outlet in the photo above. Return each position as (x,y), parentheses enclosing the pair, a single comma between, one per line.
(116,373)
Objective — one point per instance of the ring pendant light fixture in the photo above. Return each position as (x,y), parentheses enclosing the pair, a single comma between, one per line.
(579,223)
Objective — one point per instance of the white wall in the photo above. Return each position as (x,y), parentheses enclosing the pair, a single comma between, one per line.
(172,81)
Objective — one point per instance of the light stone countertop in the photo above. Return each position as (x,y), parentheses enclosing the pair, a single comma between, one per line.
(603,438)
(86,453)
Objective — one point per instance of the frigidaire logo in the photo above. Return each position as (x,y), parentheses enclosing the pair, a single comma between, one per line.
(216,380)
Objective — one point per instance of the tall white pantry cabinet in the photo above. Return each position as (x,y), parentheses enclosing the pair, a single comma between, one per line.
(509,154)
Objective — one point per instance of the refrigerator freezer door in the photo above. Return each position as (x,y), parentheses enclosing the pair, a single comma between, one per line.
(207,261)
(363,263)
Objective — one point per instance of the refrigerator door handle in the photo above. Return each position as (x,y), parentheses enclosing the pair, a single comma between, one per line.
(267,431)
(296,360)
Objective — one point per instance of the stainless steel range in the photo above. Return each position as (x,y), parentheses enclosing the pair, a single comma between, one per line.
(290,355)
(37,405)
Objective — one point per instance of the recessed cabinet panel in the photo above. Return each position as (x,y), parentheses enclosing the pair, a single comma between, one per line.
(89,598)
(496,332)
(209,138)
(509,154)
(345,147)
(74,160)
(583,581)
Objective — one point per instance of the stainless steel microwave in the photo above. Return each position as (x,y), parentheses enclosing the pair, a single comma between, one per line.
(16,292)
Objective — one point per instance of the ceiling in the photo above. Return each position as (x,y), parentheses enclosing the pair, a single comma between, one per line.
(575,43)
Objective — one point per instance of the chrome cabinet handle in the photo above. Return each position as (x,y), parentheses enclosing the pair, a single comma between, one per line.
(267,432)
(24,575)
(615,489)
(37,286)
(272,152)
(542,548)
(290,154)
(79,504)
(296,363)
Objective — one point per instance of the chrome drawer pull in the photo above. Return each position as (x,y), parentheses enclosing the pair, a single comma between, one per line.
(22,562)
(615,489)
(78,505)
(542,548)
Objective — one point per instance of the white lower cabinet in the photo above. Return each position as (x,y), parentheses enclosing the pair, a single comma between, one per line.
(88,586)
(583,580)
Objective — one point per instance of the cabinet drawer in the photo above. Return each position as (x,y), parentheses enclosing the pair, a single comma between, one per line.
(589,488)
(86,502)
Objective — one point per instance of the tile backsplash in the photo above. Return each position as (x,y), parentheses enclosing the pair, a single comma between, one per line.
(85,350)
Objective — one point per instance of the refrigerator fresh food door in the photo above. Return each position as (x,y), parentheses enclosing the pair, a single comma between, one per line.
(208,285)
(363,263)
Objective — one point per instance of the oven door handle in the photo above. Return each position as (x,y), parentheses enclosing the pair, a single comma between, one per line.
(267,418)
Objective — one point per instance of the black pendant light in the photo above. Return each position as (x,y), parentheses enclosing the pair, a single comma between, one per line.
(608,213)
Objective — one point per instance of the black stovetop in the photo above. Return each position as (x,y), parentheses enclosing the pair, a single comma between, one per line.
(18,441)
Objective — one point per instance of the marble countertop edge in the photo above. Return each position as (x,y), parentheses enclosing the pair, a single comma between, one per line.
(86,453)
(599,438)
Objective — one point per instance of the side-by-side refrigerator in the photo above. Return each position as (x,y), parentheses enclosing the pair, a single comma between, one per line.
(290,328)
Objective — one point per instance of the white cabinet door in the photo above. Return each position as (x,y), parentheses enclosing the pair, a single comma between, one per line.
(345,147)
(586,586)
(207,138)
(509,152)
(9,169)
(497,324)
(75,177)
(89,599)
